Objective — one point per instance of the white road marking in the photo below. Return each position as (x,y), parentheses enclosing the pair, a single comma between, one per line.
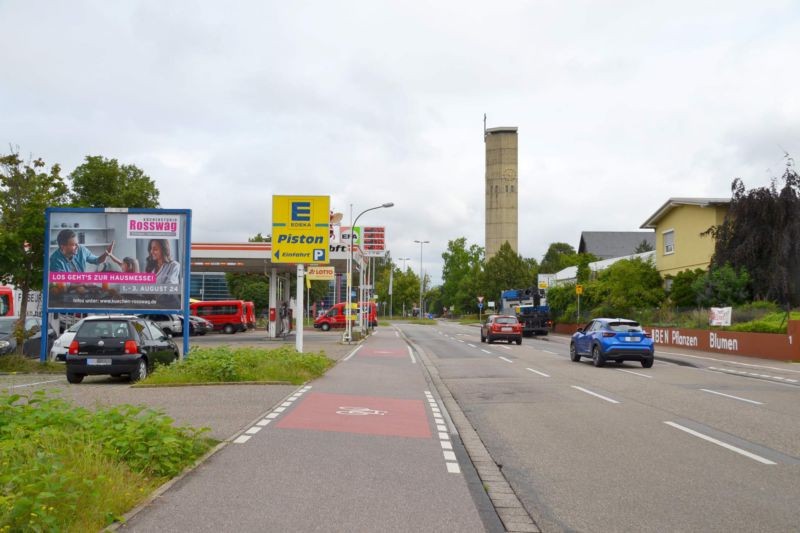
(506,359)
(635,373)
(537,372)
(279,410)
(241,439)
(446,445)
(548,351)
(720,443)
(471,345)
(286,404)
(486,351)
(594,394)
(263,422)
(411,355)
(397,334)
(253,430)
(460,340)
(440,427)
(734,397)
(732,362)
(443,436)
(352,353)
(449,456)
(750,374)
(505,347)
(273,415)
(453,468)
(37,383)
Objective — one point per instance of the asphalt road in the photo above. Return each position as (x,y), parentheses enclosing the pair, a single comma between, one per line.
(699,442)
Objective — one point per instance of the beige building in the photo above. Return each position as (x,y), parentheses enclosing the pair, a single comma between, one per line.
(501,189)
(679,224)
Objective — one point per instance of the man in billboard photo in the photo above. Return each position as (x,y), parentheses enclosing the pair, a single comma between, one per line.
(73,257)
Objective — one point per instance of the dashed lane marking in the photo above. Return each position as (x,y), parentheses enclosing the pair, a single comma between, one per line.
(471,345)
(720,443)
(752,374)
(451,461)
(635,373)
(537,372)
(411,355)
(732,397)
(506,359)
(587,391)
(486,351)
(352,353)
(276,412)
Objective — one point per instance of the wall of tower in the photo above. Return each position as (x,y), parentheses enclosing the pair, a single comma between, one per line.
(502,189)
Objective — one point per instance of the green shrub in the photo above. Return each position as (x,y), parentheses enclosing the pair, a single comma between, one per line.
(225,364)
(68,468)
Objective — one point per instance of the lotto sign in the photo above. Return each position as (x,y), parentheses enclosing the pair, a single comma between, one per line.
(300,229)
(374,241)
(320,272)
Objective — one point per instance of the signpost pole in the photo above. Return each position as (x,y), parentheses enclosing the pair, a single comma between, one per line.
(299,314)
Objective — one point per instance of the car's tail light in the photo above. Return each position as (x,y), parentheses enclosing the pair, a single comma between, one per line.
(131,347)
(73,348)
(609,334)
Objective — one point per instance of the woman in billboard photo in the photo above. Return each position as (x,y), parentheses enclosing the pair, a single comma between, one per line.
(159,261)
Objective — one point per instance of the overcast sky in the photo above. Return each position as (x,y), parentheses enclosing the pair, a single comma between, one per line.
(619,105)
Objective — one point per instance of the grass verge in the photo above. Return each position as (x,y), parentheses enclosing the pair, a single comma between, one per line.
(18,363)
(65,468)
(225,364)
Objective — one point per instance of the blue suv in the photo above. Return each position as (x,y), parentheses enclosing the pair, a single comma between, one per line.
(617,339)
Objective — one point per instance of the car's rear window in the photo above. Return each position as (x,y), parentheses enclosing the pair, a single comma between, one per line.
(104,329)
(624,326)
(506,320)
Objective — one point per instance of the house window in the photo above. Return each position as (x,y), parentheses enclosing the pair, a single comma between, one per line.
(669,242)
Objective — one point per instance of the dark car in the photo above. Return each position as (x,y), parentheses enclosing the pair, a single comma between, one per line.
(501,327)
(117,346)
(198,325)
(33,331)
(617,339)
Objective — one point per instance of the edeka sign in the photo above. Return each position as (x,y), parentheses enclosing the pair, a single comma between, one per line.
(300,229)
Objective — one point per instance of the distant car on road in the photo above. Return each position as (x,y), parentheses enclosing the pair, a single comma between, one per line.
(198,325)
(501,327)
(33,328)
(171,324)
(616,339)
(118,345)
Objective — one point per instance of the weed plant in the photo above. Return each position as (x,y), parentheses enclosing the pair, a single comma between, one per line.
(19,363)
(65,468)
(225,364)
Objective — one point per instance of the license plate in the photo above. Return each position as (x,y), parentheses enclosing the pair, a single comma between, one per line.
(632,339)
(505,329)
(98,361)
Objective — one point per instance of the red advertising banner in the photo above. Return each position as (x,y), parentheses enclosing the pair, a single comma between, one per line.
(374,241)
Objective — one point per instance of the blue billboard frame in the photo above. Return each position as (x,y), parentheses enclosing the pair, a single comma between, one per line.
(184,310)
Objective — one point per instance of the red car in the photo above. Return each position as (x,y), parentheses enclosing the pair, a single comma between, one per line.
(501,327)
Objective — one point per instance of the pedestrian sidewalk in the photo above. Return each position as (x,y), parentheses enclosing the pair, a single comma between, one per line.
(367,447)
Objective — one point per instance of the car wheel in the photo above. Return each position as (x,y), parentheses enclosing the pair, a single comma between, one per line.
(489,339)
(74,378)
(597,357)
(647,363)
(573,353)
(141,370)
(325,327)
(483,339)
(519,341)
(229,329)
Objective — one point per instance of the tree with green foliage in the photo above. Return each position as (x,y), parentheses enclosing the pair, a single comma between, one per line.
(643,247)
(101,182)
(559,256)
(26,190)
(624,287)
(683,293)
(461,275)
(761,235)
(506,270)
(722,287)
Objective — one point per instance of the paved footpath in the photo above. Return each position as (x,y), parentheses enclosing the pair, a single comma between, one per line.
(367,447)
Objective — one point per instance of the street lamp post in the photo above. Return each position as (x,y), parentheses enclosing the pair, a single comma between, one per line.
(349,326)
(420,275)
(404,259)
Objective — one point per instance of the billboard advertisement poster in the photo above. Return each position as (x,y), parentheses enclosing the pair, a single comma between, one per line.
(116,259)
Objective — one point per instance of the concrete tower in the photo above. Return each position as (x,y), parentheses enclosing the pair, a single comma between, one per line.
(501,189)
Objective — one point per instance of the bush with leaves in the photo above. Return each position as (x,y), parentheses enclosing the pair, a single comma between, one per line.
(683,292)
(722,287)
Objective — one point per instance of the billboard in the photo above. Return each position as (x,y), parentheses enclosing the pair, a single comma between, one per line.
(300,229)
(117,259)
(374,241)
